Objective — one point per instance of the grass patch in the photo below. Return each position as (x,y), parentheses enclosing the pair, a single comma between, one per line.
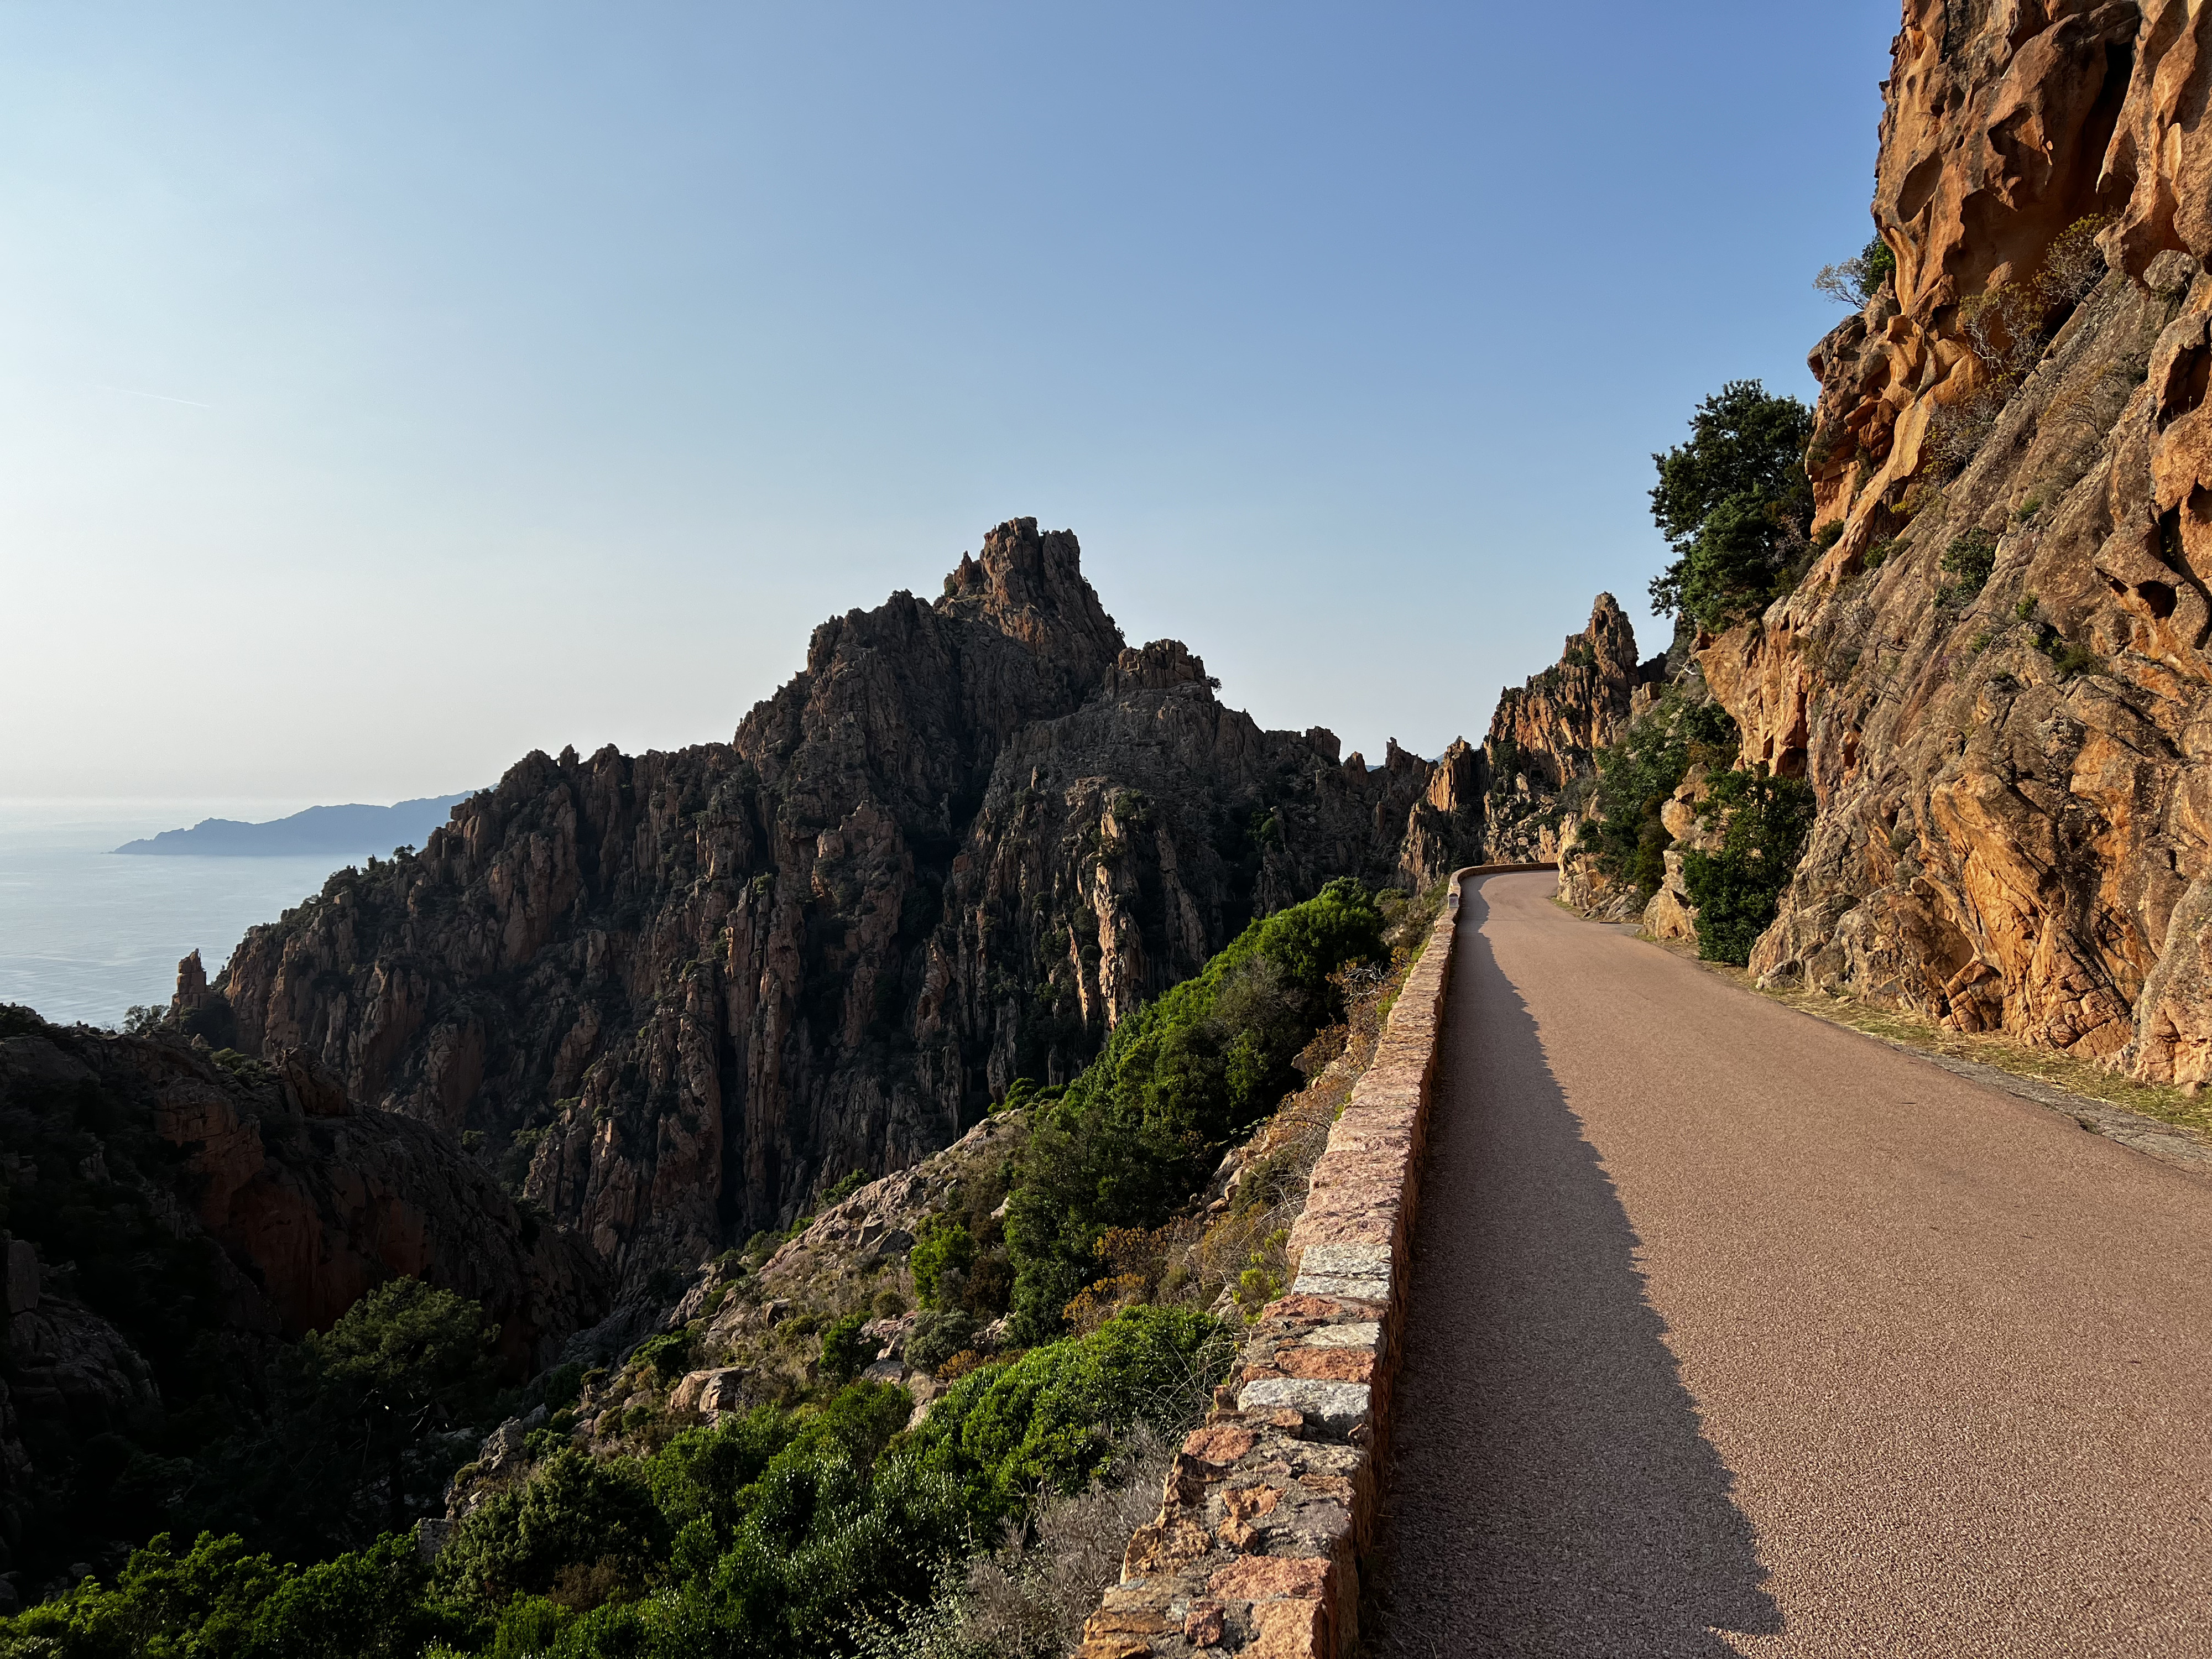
(2160,1102)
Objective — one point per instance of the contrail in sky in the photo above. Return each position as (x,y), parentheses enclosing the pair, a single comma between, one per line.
(155,396)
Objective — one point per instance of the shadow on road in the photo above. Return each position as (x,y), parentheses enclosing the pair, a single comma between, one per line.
(1550,1491)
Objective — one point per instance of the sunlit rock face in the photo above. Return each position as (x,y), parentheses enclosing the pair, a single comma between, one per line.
(690,988)
(2015,780)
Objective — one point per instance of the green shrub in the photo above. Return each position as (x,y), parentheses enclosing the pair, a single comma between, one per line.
(560,1386)
(1138,1131)
(219,1600)
(1625,837)
(940,1260)
(369,1604)
(934,1337)
(845,1351)
(795,1326)
(771,1537)
(1050,1420)
(1968,562)
(843,1190)
(528,1628)
(700,1475)
(2070,659)
(1737,891)
(669,1354)
(574,1514)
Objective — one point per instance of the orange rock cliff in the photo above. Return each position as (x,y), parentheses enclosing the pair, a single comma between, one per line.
(2015,783)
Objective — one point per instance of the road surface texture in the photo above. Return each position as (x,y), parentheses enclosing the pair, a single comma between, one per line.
(1736,1333)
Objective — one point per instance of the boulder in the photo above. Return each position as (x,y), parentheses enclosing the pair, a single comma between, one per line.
(710,1392)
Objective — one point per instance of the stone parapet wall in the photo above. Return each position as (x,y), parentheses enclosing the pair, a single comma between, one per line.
(1271,1504)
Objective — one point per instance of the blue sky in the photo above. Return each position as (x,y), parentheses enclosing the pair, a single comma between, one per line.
(388,391)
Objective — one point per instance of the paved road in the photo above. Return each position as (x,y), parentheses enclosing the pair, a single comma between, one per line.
(1735,1333)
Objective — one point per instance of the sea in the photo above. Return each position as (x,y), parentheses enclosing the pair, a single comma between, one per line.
(86,935)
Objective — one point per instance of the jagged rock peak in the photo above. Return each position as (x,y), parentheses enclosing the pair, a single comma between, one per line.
(1159,666)
(191,986)
(683,990)
(1611,637)
(1031,588)
(1546,734)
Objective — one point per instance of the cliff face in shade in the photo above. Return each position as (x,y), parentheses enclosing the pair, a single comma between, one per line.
(159,1201)
(963,841)
(312,1199)
(2015,785)
(1544,736)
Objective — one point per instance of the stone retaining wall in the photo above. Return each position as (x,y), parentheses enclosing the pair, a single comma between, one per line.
(1271,1504)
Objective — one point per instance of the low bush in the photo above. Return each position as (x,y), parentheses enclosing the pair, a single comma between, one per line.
(934,1337)
(1138,1131)
(845,1351)
(1967,562)
(581,1530)
(1625,836)
(843,1190)
(1052,1419)
(940,1260)
(218,1600)
(669,1354)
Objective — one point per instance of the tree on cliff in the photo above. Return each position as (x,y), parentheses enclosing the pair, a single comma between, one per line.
(1734,504)
(1856,280)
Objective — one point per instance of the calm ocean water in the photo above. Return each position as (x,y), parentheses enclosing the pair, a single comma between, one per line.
(85,935)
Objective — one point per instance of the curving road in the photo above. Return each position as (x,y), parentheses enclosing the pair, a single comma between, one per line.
(1735,1333)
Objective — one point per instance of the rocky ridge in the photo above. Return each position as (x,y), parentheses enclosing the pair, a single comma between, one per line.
(2016,824)
(1545,735)
(691,989)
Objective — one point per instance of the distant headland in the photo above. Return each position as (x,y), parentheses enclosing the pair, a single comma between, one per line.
(319,829)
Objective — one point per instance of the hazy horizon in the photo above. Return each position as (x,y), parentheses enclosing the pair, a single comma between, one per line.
(391,394)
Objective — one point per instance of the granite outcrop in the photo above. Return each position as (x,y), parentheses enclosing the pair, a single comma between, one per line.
(679,992)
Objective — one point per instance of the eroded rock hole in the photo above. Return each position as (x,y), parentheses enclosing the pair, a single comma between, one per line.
(1919,185)
(2185,385)
(2159,597)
